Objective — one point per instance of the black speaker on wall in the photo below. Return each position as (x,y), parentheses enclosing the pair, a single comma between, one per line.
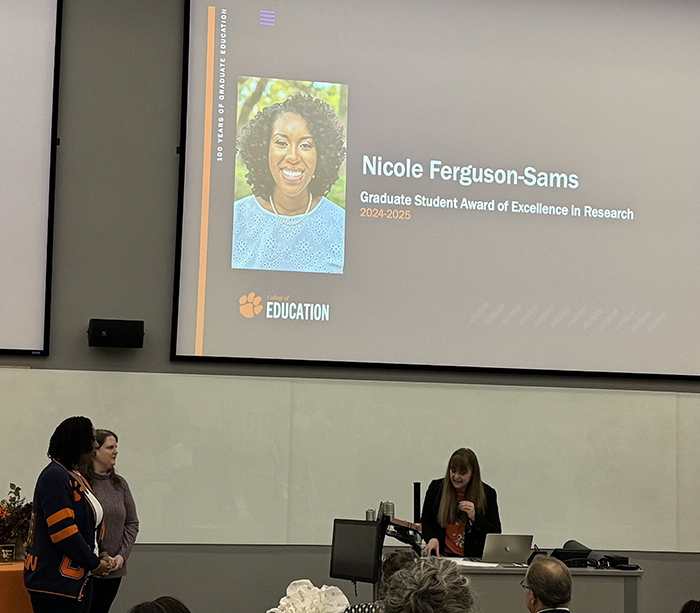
(125,333)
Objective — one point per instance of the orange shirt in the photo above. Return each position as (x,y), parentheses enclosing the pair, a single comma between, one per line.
(454,535)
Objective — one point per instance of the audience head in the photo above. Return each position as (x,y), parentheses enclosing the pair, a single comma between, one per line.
(164,604)
(395,561)
(429,585)
(73,439)
(547,584)
(692,606)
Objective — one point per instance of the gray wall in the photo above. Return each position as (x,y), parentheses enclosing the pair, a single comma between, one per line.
(254,578)
(113,257)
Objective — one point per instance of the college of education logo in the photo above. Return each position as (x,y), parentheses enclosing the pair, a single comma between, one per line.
(250,305)
(281,307)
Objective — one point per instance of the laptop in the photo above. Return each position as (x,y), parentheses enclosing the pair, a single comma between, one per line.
(507,548)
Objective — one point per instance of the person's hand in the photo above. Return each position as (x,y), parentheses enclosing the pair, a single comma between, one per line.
(111,563)
(104,568)
(433,547)
(118,562)
(468,508)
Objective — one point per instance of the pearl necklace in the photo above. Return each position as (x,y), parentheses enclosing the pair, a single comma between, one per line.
(289,223)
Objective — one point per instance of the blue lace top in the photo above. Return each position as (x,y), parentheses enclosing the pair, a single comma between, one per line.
(265,241)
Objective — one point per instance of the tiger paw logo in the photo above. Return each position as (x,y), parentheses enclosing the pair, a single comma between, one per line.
(250,305)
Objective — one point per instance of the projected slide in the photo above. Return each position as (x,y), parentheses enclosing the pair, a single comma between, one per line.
(289,151)
(462,183)
(27,50)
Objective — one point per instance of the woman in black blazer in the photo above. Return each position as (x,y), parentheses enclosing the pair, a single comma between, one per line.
(459,510)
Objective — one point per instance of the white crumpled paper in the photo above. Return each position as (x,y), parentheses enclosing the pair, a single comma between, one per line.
(303,597)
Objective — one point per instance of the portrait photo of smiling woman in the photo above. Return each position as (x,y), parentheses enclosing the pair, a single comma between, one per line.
(292,151)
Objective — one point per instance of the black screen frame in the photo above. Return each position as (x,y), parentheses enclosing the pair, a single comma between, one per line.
(53,144)
(371,528)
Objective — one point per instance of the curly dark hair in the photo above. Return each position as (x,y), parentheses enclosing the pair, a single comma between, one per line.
(72,438)
(324,127)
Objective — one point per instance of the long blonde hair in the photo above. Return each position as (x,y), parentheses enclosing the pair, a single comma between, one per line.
(449,513)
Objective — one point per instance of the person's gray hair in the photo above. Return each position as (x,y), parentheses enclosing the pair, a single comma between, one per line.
(549,580)
(430,585)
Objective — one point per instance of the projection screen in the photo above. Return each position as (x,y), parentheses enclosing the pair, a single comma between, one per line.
(498,184)
(28,48)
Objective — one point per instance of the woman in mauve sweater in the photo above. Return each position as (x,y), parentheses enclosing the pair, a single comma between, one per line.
(120,519)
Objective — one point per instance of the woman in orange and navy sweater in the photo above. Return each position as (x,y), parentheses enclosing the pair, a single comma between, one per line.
(62,547)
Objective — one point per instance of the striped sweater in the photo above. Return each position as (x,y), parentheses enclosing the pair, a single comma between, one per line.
(61,536)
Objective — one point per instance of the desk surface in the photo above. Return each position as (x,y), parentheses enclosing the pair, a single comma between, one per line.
(13,595)
(594,589)
(575,572)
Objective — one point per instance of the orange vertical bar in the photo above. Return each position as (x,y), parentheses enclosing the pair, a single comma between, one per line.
(206,182)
